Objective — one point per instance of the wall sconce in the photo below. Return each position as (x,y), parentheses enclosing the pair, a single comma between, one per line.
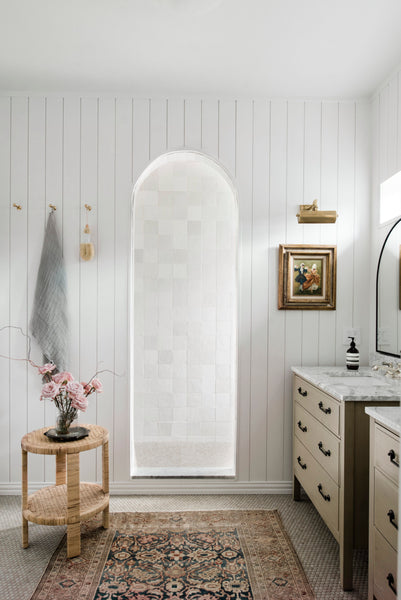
(309,213)
(86,249)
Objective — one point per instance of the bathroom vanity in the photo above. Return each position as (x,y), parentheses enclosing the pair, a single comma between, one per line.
(385,427)
(331,448)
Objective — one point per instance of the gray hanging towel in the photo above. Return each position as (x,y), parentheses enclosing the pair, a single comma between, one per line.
(49,321)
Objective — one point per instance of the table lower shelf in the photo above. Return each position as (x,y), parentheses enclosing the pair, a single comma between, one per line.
(48,506)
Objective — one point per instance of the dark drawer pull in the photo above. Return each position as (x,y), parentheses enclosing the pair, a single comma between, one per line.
(325,452)
(327,411)
(325,497)
(390,579)
(391,517)
(304,428)
(303,466)
(392,456)
(305,393)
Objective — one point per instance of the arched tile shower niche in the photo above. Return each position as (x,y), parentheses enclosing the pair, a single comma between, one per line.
(184,319)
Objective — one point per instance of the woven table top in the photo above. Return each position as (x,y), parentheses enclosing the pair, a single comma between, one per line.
(38,443)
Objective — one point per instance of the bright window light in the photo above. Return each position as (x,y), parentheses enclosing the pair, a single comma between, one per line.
(390,198)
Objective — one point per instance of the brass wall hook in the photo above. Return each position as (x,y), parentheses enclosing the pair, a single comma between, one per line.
(88,207)
(17,206)
(52,207)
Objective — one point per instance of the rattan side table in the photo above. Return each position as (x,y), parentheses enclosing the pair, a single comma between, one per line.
(69,501)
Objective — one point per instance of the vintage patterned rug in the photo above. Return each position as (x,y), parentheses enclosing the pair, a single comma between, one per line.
(214,555)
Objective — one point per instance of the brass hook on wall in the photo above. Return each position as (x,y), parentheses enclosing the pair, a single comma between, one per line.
(17,206)
(88,207)
(52,207)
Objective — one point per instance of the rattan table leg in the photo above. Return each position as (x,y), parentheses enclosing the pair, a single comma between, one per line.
(73,507)
(25,540)
(105,481)
(61,468)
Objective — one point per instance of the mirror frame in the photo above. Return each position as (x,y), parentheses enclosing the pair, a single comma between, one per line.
(377,293)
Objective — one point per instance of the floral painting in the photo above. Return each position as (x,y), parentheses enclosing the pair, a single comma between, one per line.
(307,277)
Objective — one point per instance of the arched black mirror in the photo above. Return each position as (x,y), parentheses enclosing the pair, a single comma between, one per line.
(388,296)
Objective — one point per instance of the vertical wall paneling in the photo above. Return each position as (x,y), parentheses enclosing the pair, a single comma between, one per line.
(106,266)
(383,134)
(36,227)
(140,136)
(244,156)
(71,151)
(276,340)
(210,127)
(386,159)
(346,210)
(362,287)
(88,306)
(53,195)
(374,212)
(193,123)
(72,210)
(158,128)
(227,134)
(18,280)
(127,154)
(5,233)
(294,235)
(392,127)
(175,124)
(329,201)
(259,291)
(312,189)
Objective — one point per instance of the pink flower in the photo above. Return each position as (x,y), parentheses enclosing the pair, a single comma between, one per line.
(74,388)
(95,383)
(79,402)
(50,390)
(47,368)
(63,377)
(87,387)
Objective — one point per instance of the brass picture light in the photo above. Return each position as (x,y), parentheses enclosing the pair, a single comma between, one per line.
(309,213)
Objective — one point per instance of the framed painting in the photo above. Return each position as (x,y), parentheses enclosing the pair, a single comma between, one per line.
(307,277)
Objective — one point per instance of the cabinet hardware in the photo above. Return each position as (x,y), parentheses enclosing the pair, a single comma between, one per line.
(303,466)
(325,497)
(304,428)
(327,411)
(392,456)
(390,579)
(305,393)
(325,452)
(391,517)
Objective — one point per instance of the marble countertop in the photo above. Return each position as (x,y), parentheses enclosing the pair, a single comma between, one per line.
(362,385)
(389,416)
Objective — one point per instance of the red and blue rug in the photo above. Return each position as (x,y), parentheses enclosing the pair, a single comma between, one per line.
(220,555)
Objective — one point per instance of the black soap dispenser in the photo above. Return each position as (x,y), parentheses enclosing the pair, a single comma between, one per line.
(352,356)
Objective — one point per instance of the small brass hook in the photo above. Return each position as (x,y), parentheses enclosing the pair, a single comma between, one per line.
(17,206)
(88,207)
(52,207)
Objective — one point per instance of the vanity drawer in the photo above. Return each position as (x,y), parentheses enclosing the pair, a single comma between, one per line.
(321,489)
(323,407)
(385,569)
(386,500)
(387,454)
(322,444)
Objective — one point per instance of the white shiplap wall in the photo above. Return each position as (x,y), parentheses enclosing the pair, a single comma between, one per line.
(386,153)
(71,151)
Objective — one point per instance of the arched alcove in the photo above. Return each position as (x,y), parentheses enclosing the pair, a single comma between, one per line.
(184,319)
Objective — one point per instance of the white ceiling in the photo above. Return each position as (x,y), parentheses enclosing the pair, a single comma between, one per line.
(275,48)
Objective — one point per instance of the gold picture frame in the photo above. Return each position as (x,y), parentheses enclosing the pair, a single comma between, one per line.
(307,277)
